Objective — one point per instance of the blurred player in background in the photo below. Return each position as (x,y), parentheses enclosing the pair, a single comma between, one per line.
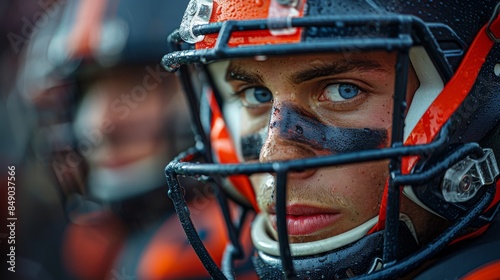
(109,120)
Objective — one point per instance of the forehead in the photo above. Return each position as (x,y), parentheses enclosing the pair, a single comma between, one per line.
(379,60)
(297,69)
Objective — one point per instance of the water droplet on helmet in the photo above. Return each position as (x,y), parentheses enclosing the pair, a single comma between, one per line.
(496,69)
(260,57)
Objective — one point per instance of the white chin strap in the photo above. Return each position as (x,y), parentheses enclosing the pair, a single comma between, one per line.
(268,245)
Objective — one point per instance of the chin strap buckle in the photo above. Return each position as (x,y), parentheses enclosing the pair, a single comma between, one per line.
(462,181)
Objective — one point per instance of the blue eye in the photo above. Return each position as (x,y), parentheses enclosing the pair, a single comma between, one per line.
(256,96)
(341,92)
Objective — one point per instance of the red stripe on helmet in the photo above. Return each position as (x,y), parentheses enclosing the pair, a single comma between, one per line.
(85,33)
(448,101)
(452,96)
(487,271)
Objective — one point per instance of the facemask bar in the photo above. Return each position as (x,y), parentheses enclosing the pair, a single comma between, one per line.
(439,243)
(202,149)
(408,26)
(408,29)
(180,167)
(221,50)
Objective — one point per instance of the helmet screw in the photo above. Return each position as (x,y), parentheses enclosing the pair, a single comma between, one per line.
(192,8)
(465,183)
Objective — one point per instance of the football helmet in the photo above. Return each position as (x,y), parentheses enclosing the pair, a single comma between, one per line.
(85,40)
(442,151)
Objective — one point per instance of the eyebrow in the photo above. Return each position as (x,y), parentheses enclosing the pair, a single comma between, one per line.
(237,73)
(326,68)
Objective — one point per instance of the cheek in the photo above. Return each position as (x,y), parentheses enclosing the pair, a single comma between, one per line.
(251,123)
(381,113)
(363,185)
(381,117)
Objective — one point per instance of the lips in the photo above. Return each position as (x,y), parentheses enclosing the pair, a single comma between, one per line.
(112,159)
(116,162)
(305,220)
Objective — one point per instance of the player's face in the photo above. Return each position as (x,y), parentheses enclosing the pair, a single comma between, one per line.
(124,117)
(312,105)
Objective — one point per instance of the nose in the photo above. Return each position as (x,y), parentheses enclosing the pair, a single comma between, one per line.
(288,137)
